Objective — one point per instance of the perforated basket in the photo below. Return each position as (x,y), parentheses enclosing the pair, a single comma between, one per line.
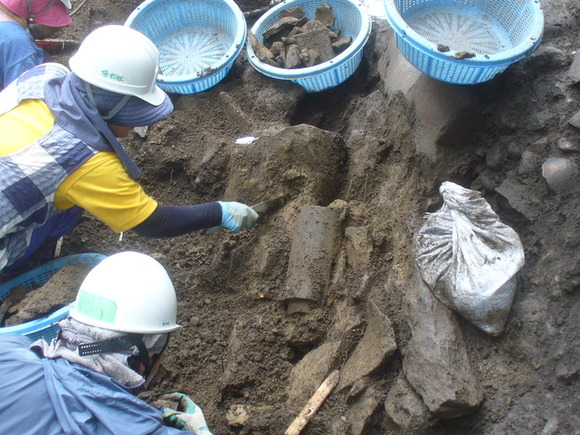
(465,41)
(46,327)
(198,40)
(352,18)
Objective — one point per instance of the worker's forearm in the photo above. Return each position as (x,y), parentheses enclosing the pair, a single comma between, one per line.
(170,221)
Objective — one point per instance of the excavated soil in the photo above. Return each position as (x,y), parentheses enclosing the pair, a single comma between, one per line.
(60,290)
(351,148)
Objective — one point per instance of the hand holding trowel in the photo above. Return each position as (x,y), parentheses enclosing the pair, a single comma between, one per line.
(262,208)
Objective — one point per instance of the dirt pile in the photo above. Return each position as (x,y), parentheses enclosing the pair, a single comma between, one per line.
(60,290)
(372,153)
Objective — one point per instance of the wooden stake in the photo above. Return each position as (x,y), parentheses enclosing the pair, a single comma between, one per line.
(313,404)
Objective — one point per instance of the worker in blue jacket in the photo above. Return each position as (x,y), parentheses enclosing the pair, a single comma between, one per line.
(107,350)
(18,49)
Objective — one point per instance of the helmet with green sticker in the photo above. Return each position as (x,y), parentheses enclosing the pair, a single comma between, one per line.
(121,60)
(127,292)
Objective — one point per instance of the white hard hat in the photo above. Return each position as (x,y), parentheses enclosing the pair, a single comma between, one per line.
(127,292)
(121,60)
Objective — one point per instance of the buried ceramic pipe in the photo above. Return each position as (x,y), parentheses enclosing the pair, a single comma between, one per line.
(311,256)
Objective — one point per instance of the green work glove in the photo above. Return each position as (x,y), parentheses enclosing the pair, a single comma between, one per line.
(187,416)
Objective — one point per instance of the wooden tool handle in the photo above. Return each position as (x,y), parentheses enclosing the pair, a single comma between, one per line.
(313,404)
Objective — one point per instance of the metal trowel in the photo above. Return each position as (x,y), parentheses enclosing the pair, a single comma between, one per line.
(269,206)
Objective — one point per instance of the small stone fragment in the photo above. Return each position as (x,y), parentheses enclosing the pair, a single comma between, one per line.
(288,41)
(261,51)
(309,57)
(341,44)
(560,173)
(318,40)
(574,71)
(277,48)
(295,12)
(325,16)
(547,57)
(295,31)
(292,59)
(237,416)
(141,131)
(280,61)
(279,27)
(565,144)
(463,55)
(575,120)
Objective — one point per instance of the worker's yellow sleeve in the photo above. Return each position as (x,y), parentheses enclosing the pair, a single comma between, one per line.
(102,187)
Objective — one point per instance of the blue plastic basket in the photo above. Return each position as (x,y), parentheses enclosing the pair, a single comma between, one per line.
(352,18)
(46,327)
(497,32)
(198,40)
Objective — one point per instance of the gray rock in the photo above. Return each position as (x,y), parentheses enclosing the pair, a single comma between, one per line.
(565,144)
(406,408)
(360,412)
(261,51)
(547,57)
(341,44)
(496,157)
(375,348)
(574,71)
(284,24)
(335,34)
(540,120)
(292,59)
(561,174)
(521,198)
(295,12)
(514,149)
(141,131)
(575,120)
(529,163)
(325,16)
(436,362)
(310,372)
(277,48)
(309,57)
(316,38)
(289,40)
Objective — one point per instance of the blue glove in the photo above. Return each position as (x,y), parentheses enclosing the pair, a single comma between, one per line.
(237,216)
(188,415)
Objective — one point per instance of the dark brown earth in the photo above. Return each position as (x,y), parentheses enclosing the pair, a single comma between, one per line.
(60,290)
(351,147)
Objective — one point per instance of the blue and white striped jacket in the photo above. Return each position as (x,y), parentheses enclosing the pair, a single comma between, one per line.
(30,177)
